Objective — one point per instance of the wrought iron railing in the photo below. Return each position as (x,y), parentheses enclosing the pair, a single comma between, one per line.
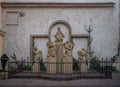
(60,70)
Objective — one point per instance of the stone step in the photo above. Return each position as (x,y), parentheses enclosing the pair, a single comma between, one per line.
(58,77)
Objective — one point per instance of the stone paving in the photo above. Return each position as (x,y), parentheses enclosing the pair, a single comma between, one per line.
(115,82)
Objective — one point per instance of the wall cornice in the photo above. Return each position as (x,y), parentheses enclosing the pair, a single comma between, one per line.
(58,5)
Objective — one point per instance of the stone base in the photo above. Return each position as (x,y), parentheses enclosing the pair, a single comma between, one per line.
(36,68)
(83,68)
(67,65)
(51,65)
(3,75)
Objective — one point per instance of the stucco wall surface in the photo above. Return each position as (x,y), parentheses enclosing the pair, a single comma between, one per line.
(36,21)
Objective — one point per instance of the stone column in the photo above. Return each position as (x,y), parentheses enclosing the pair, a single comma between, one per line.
(51,65)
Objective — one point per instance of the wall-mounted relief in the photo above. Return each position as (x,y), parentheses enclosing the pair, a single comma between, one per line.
(12,18)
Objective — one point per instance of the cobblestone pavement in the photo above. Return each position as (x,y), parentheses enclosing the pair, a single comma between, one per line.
(114,82)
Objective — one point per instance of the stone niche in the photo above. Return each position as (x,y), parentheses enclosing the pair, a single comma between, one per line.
(60,46)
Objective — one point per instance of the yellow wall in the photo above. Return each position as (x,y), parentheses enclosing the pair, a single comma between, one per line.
(1,36)
(1,45)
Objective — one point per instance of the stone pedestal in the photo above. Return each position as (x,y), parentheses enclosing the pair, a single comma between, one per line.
(37,58)
(83,59)
(67,65)
(51,65)
(83,67)
(3,75)
(36,67)
(59,56)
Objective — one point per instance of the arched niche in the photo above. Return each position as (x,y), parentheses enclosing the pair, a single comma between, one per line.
(60,23)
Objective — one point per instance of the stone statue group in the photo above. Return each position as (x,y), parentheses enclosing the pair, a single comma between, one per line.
(59,53)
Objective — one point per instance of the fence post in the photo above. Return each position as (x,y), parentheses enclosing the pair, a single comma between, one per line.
(102,70)
(106,68)
(8,70)
(110,69)
(97,67)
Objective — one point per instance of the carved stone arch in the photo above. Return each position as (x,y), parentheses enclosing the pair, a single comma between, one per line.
(60,22)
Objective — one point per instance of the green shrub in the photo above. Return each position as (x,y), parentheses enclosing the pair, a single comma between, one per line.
(94,63)
(28,67)
(42,65)
(75,65)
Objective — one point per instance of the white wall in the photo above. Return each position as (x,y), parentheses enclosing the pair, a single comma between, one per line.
(104,21)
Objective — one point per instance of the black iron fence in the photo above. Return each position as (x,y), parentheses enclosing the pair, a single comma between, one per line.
(61,70)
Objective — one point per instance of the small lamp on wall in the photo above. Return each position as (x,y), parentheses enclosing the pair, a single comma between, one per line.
(21,14)
(4,59)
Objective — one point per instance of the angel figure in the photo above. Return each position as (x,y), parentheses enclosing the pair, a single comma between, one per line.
(83,59)
(37,57)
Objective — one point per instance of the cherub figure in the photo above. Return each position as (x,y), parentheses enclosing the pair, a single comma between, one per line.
(82,55)
(68,48)
(83,59)
(37,58)
(51,49)
(37,54)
